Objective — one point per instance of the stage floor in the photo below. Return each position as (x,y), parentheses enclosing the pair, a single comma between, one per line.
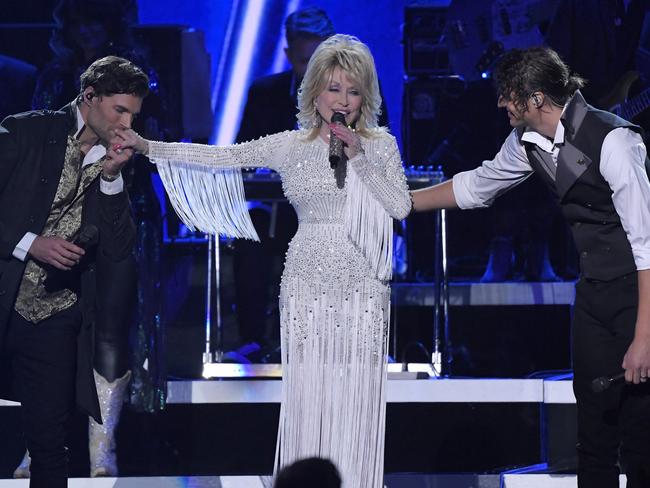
(394,481)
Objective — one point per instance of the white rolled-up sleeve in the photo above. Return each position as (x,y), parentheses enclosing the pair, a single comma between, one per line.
(622,164)
(479,187)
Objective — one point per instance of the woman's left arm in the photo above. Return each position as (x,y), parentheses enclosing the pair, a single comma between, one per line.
(378,164)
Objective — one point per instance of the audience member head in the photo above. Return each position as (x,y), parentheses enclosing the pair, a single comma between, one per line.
(305,30)
(309,473)
(340,64)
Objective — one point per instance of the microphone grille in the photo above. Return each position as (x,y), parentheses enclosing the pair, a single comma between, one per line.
(338,117)
(600,384)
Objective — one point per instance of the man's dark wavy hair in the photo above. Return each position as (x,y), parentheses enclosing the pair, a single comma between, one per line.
(522,72)
(111,75)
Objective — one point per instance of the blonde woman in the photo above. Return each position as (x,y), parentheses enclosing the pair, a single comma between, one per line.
(335,297)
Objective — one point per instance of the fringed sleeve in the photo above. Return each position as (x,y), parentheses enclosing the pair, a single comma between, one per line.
(377,191)
(204,183)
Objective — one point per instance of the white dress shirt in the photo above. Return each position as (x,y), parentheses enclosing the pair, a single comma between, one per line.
(107,187)
(622,165)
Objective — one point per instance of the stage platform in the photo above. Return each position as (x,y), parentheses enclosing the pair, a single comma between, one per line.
(433,390)
(229,428)
(479,294)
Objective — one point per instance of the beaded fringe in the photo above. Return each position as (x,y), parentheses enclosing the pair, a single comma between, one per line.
(369,226)
(207,198)
(334,344)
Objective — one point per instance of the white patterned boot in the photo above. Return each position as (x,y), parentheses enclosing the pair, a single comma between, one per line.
(22,471)
(101,438)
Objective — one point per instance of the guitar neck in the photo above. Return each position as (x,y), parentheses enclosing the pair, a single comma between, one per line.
(635,105)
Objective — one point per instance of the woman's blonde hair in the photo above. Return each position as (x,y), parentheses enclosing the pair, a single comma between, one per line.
(353,57)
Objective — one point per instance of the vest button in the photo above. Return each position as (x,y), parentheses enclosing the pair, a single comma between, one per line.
(43,180)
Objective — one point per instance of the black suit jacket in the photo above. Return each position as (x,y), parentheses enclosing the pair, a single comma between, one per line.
(271,108)
(32,152)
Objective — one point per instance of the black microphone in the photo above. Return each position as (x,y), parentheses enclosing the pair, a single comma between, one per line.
(604,382)
(336,144)
(57,279)
(87,237)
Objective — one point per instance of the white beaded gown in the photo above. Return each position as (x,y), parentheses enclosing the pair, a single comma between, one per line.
(334,298)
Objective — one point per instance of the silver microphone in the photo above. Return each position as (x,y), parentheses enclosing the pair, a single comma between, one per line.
(336,144)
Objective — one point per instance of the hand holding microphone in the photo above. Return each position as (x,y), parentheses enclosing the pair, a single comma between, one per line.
(336,144)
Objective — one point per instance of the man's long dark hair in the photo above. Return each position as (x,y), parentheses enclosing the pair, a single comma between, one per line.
(112,74)
(522,72)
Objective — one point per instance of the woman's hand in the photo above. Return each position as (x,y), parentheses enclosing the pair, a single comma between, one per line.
(351,140)
(130,139)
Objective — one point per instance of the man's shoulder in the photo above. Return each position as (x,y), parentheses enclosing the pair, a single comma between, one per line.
(271,83)
(35,121)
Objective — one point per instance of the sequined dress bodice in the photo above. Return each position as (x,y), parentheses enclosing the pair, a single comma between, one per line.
(320,250)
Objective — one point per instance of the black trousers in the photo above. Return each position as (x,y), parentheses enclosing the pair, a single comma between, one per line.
(614,425)
(43,364)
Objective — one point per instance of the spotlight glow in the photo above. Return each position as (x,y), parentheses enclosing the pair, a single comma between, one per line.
(238,75)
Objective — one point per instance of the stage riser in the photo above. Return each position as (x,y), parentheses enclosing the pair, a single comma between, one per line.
(238,439)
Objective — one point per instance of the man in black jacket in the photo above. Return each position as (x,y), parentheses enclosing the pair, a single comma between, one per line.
(596,166)
(60,183)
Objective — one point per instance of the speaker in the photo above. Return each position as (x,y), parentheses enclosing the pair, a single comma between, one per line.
(183,66)
(427,113)
(424,50)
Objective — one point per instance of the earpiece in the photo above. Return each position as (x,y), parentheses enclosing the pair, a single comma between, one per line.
(89,96)
(537,100)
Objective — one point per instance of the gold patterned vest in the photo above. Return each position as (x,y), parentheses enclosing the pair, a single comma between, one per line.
(34,303)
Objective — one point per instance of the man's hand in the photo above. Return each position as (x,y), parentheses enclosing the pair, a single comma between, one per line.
(56,252)
(637,360)
(128,138)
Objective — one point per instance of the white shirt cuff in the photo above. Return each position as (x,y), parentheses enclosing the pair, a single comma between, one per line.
(111,187)
(22,248)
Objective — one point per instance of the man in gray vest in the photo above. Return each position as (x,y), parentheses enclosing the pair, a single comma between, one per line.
(595,164)
(65,223)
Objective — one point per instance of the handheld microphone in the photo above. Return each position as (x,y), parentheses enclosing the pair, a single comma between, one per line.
(604,382)
(87,237)
(57,279)
(336,144)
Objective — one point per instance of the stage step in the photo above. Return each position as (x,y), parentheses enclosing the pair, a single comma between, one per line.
(477,294)
(433,390)
(432,426)
(545,481)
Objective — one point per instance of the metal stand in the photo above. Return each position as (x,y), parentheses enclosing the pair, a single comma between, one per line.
(211,354)
(419,177)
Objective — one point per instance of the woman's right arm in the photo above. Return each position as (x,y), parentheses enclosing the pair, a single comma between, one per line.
(262,152)
(204,183)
